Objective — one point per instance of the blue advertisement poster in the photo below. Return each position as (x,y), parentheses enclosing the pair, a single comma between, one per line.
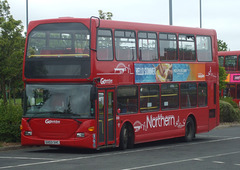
(151,72)
(145,73)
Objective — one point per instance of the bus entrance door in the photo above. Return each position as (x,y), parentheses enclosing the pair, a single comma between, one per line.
(106,117)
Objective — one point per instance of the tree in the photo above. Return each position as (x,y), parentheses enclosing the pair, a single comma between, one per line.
(11,49)
(105,15)
(222,46)
(222,78)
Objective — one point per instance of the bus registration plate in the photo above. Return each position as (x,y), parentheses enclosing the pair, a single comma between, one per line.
(52,142)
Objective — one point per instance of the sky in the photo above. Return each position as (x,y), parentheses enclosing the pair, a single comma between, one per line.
(221,15)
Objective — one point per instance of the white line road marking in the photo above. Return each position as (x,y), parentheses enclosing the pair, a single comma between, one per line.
(39,163)
(7,157)
(197,159)
(214,136)
(218,162)
(133,151)
(180,161)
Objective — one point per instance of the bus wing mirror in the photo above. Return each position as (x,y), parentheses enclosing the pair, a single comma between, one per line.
(23,98)
(93,93)
(118,111)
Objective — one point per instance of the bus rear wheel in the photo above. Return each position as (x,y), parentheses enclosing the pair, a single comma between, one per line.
(189,130)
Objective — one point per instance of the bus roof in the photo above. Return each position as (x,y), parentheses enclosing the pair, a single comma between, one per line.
(113,24)
(154,27)
(223,53)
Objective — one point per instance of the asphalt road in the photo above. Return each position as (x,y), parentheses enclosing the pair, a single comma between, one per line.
(218,149)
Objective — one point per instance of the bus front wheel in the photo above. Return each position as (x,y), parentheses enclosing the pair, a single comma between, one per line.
(124,137)
(189,130)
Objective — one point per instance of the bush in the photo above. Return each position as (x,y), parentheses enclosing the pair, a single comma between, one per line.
(229,100)
(228,113)
(10,120)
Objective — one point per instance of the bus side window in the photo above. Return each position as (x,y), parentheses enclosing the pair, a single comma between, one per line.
(238,91)
(149,98)
(188,95)
(125,44)
(169,96)
(104,45)
(127,99)
(221,61)
(147,42)
(168,47)
(231,63)
(187,47)
(202,94)
(204,48)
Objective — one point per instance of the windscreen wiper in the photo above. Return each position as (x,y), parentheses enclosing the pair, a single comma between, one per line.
(74,114)
(56,112)
(77,121)
(36,114)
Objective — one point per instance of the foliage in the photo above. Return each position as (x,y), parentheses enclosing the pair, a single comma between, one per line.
(105,15)
(11,50)
(222,78)
(10,120)
(228,113)
(222,46)
(230,101)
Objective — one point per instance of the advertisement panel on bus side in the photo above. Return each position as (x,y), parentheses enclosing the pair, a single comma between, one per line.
(151,73)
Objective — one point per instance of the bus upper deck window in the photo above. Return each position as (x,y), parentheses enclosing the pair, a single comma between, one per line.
(187,47)
(204,48)
(125,44)
(168,46)
(147,42)
(104,45)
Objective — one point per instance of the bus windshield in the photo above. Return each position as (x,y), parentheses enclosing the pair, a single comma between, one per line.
(59,40)
(58,50)
(58,101)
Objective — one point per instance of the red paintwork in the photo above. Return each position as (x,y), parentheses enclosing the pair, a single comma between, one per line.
(229,53)
(64,131)
(224,53)
(163,124)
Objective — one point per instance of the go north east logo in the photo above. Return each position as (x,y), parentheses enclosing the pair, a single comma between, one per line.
(157,122)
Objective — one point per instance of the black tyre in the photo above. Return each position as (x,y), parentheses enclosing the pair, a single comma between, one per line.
(124,137)
(189,130)
(130,138)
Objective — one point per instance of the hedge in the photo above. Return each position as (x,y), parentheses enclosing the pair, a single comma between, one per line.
(10,120)
(228,113)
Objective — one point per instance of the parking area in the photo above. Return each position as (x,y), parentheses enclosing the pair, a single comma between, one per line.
(218,149)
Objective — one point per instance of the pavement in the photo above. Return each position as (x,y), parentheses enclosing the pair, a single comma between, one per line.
(10,146)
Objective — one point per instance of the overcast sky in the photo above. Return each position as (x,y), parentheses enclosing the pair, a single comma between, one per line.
(221,15)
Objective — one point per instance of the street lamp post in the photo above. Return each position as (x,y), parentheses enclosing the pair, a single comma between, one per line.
(200,4)
(170,12)
(27,14)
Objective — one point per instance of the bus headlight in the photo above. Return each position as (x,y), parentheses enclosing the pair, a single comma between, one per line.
(80,135)
(28,133)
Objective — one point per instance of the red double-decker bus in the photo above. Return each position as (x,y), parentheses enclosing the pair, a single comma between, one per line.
(230,60)
(94,83)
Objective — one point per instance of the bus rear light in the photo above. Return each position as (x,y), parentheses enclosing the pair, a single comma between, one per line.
(21,127)
(80,135)
(91,129)
(28,133)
